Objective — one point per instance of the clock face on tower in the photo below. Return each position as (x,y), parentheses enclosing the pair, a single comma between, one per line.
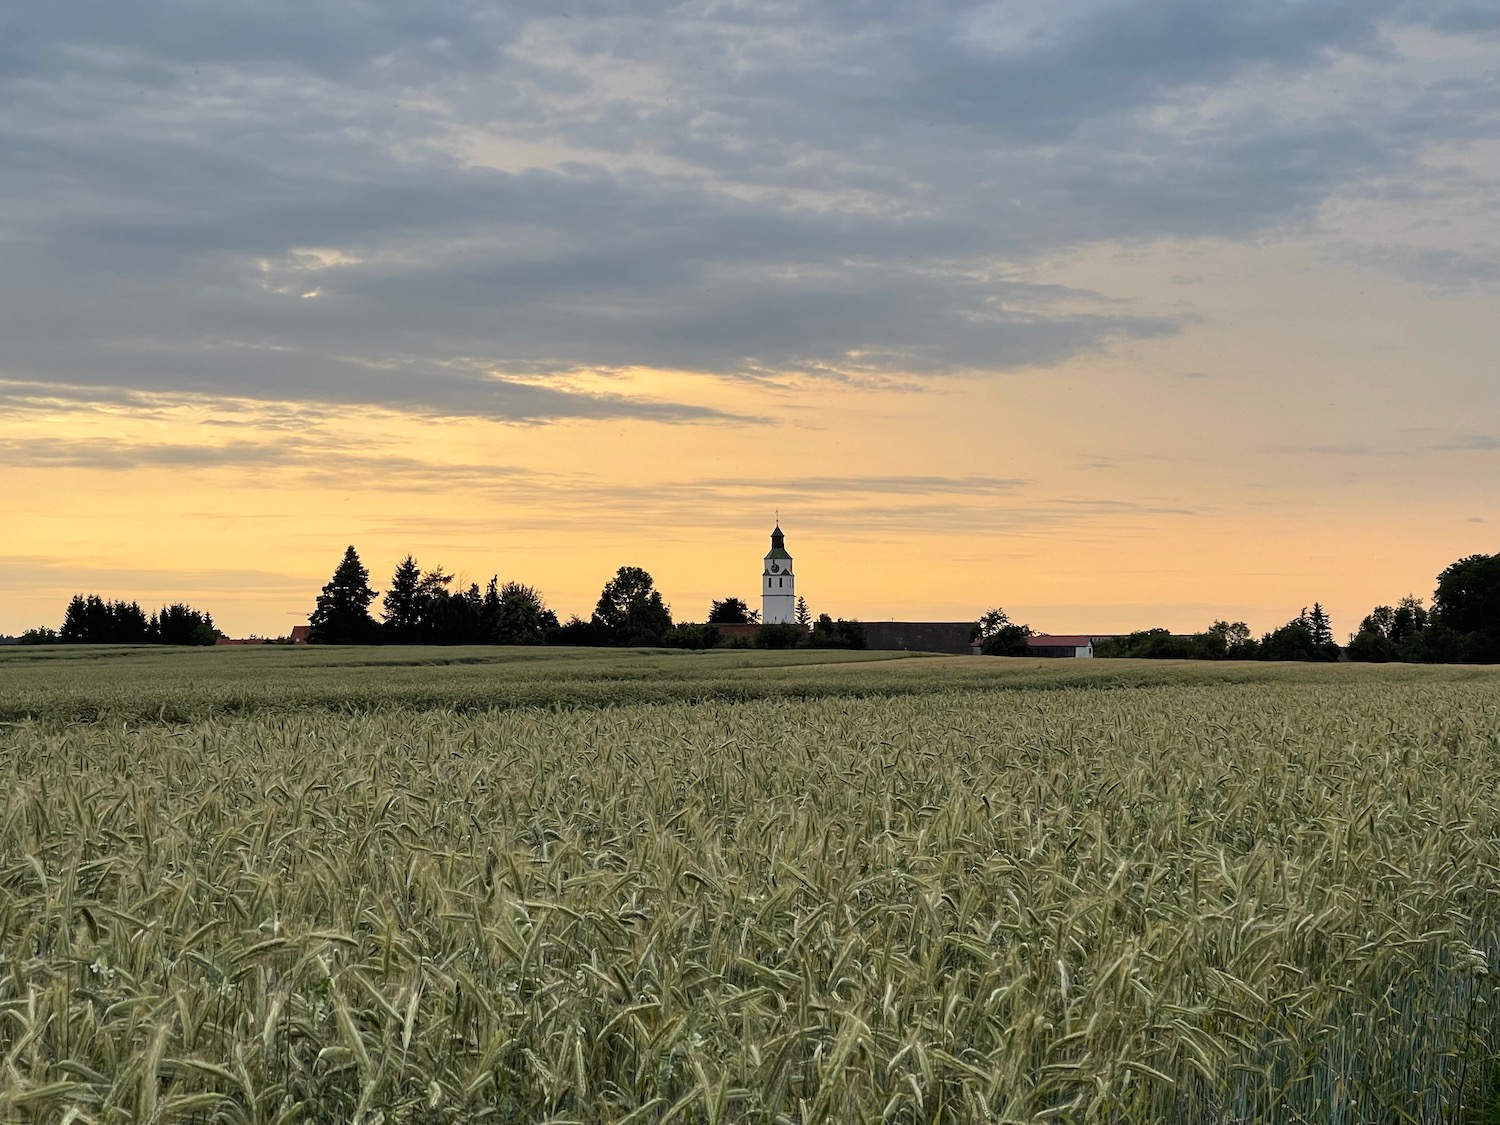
(775,568)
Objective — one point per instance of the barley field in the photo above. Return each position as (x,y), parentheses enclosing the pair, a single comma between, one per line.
(446,886)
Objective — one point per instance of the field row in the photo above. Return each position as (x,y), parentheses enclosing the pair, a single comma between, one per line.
(69,683)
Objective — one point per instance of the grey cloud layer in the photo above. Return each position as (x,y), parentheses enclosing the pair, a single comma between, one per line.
(850,188)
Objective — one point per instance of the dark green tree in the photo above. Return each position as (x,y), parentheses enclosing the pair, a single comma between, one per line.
(784,635)
(1299,639)
(92,620)
(1399,632)
(183,625)
(999,635)
(1467,603)
(1319,626)
(1409,620)
(1223,640)
(342,614)
(577,631)
(453,619)
(693,636)
(830,633)
(402,619)
(803,614)
(731,611)
(521,616)
(1371,643)
(631,610)
(1151,644)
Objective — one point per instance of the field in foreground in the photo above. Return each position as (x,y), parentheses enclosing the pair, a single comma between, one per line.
(915,890)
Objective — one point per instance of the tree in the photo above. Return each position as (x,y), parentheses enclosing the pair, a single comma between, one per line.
(1000,636)
(990,622)
(732,611)
(782,635)
(1318,626)
(75,626)
(631,610)
(1299,639)
(342,614)
(693,636)
(1223,640)
(452,619)
(1399,632)
(182,625)
(803,614)
(403,604)
(92,620)
(521,616)
(576,631)
(1467,602)
(828,633)
(1149,644)
(1409,620)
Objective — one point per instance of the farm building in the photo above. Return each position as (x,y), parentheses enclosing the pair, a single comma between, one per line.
(1071,645)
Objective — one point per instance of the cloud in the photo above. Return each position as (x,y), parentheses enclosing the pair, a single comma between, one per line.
(1439,270)
(484,206)
(859,506)
(1411,443)
(410,386)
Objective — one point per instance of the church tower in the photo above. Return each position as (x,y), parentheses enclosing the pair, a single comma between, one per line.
(778,592)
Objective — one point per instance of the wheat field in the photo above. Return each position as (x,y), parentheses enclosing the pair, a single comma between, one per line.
(932,890)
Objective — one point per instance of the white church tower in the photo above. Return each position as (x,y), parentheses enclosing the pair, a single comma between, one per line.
(778,591)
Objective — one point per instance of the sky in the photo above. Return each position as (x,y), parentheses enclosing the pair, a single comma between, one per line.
(1113,314)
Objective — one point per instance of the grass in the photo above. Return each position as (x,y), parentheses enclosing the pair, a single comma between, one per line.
(459,885)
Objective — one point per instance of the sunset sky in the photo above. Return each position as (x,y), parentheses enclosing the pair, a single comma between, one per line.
(1113,314)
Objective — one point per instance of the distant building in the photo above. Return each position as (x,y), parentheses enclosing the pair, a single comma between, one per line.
(736,629)
(920,636)
(300,634)
(1073,645)
(778,589)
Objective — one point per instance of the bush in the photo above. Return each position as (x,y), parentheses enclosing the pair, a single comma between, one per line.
(780,636)
(692,636)
(828,633)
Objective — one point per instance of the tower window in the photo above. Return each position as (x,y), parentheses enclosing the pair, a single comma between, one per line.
(778,581)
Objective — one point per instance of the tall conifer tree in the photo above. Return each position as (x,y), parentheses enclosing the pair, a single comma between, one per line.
(403,603)
(342,615)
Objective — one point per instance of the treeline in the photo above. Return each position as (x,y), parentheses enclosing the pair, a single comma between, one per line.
(421,607)
(1462,626)
(1308,637)
(90,620)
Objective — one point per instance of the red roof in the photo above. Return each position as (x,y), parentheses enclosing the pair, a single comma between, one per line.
(300,633)
(1042,640)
